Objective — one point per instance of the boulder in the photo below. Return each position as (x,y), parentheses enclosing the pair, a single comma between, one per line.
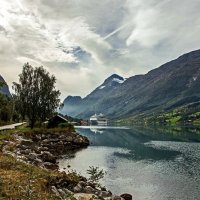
(78,188)
(51,166)
(104,194)
(62,193)
(89,190)
(69,139)
(32,156)
(117,198)
(48,157)
(54,189)
(43,148)
(26,151)
(82,183)
(67,191)
(126,196)
(83,196)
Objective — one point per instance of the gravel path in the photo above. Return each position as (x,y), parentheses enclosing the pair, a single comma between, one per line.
(11,126)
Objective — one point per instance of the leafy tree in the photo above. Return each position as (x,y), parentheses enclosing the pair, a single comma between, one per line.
(35,94)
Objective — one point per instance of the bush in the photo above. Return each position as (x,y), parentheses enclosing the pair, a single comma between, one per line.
(96,174)
(63,125)
(70,127)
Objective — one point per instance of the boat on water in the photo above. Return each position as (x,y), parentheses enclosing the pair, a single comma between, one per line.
(99,120)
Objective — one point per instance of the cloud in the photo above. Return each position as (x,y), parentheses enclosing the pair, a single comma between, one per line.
(83,42)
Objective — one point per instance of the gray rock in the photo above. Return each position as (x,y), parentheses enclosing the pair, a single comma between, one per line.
(26,142)
(45,141)
(26,151)
(69,139)
(48,157)
(32,156)
(105,194)
(93,185)
(103,189)
(126,196)
(43,148)
(23,147)
(78,189)
(62,136)
(38,161)
(116,198)
(83,196)
(49,165)
(67,191)
(82,183)
(89,190)
(62,193)
(54,189)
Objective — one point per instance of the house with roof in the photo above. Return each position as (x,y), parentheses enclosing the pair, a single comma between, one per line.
(56,120)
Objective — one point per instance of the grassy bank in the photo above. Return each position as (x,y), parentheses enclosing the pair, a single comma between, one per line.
(19,180)
(173,118)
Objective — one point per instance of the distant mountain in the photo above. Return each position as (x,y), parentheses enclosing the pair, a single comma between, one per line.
(70,105)
(4,89)
(172,85)
(74,105)
(72,100)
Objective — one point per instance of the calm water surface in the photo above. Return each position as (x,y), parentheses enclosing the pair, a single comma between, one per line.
(149,163)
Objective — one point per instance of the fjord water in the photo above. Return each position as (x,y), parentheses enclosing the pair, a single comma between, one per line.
(150,163)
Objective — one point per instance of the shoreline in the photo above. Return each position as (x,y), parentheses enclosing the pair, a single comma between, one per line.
(42,148)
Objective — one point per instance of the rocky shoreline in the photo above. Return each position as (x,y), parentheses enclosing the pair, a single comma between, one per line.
(43,147)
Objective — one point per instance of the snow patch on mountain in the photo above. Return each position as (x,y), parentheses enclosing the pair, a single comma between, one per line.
(101,87)
(120,81)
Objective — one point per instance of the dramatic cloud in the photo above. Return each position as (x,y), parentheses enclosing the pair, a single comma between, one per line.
(83,42)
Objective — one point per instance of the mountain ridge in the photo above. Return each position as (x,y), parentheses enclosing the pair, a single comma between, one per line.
(171,85)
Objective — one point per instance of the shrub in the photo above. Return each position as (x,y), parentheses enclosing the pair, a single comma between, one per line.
(96,174)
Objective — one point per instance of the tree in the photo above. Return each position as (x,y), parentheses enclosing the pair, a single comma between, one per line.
(96,174)
(35,94)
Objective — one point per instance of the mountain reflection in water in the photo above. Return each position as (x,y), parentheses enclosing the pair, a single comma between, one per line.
(148,162)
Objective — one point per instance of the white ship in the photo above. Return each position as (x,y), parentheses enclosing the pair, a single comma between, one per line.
(99,120)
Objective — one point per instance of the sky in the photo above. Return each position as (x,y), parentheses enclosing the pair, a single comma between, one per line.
(82,42)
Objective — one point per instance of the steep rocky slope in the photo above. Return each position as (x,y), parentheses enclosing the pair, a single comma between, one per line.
(170,86)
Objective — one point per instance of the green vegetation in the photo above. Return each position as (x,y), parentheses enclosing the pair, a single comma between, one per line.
(96,174)
(36,96)
(21,181)
(7,111)
(185,115)
(35,99)
(24,181)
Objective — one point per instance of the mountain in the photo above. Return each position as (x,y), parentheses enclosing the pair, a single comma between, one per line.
(172,85)
(110,84)
(74,105)
(4,89)
(70,105)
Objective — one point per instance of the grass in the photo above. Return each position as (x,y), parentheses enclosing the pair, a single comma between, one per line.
(22,181)
(174,120)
